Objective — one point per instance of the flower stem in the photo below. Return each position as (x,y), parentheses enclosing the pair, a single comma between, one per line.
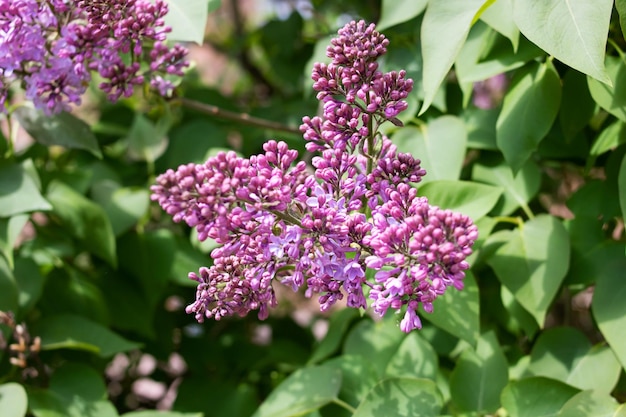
(242,118)
(344,404)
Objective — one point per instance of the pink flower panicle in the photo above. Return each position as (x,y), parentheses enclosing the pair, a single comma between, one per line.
(52,47)
(322,230)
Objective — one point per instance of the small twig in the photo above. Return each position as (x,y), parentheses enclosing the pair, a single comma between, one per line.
(243,118)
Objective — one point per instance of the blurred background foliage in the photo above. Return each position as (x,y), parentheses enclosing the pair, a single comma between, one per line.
(530,147)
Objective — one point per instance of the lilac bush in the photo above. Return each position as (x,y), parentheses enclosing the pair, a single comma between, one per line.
(52,48)
(326,228)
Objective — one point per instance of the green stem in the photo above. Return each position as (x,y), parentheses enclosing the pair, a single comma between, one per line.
(515,220)
(242,118)
(344,404)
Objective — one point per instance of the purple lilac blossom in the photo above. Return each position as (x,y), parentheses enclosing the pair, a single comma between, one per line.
(323,229)
(52,47)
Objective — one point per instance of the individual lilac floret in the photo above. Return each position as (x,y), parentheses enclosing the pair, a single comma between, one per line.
(322,231)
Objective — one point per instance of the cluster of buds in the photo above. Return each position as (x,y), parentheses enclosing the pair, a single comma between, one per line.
(23,345)
(358,211)
(52,47)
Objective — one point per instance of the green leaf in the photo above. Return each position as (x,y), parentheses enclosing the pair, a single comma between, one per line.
(481,128)
(358,376)
(84,220)
(305,390)
(402,397)
(222,399)
(188,18)
(13,400)
(415,358)
(520,319)
(457,312)
(63,129)
(66,331)
(608,307)
(577,105)
(500,59)
(454,19)
(470,198)
(500,17)
(479,376)
(376,341)
(620,5)
(124,206)
(591,404)
(30,283)
(337,327)
(610,97)
(8,288)
(440,145)
(536,397)
(573,31)
(153,413)
(149,258)
(76,390)
(10,229)
(621,184)
(146,141)
(394,12)
(610,138)
(528,111)
(564,353)
(518,189)
(533,263)
(19,192)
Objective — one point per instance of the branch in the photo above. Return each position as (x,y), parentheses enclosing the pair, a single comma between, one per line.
(243,118)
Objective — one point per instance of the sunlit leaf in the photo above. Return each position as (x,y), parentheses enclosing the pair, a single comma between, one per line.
(13,400)
(188,18)
(305,390)
(376,341)
(500,17)
(518,189)
(573,31)
(444,29)
(415,358)
(10,229)
(591,404)
(479,376)
(19,193)
(337,327)
(67,331)
(564,353)
(84,220)
(75,390)
(470,198)
(458,312)
(610,97)
(533,263)
(146,141)
(402,397)
(439,145)
(529,109)
(608,308)
(63,129)
(394,12)
(536,397)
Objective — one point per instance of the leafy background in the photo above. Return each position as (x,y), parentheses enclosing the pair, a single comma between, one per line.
(98,272)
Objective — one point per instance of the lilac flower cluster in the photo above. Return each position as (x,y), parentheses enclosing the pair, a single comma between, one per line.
(52,47)
(324,229)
